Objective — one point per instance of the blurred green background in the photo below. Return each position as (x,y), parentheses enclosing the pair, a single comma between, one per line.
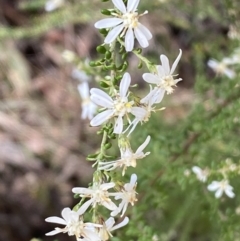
(44,142)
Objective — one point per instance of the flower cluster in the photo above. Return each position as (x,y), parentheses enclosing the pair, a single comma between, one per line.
(219,187)
(120,113)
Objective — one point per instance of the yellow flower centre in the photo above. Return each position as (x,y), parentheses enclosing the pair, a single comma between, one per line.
(130,20)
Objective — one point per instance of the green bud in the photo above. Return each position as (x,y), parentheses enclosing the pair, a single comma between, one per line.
(104,84)
(107,146)
(125,66)
(105,12)
(108,55)
(103,31)
(124,56)
(101,49)
(139,50)
(140,65)
(112,136)
(110,67)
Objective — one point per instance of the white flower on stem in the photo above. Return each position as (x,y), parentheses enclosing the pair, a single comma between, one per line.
(128,195)
(118,107)
(143,114)
(108,227)
(201,174)
(74,224)
(222,67)
(88,107)
(164,78)
(98,194)
(52,5)
(220,187)
(126,23)
(128,158)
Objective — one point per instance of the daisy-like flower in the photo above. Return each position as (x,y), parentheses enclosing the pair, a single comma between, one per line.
(88,107)
(128,195)
(164,78)
(108,227)
(118,107)
(98,194)
(128,158)
(52,5)
(220,187)
(126,23)
(201,174)
(74,225)
(221,68)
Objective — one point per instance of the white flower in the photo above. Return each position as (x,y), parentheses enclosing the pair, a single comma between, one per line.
(88,107)
(117,107)
(126,23)
(128,195)
(52,5)
(220,187)
(128,158)
(80,75)
(74,224)
(98,194)
(221,67)
(164,78)
(201,174)
(143,113)
(108,227)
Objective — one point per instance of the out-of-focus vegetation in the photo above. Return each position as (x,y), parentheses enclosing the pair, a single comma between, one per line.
(44,142)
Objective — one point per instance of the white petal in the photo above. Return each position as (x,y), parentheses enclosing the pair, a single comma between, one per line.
(95,91)
(101,117)
(106,186)
(145,143)
(229,193)
(100,100)
(108,23)
(176,61)
(56,220)
(129,40)
(145,31)
(159,95)
(84,207)
(90,235)
(197,170)
(229,73)
(109,205)
(112,35)
(132,5)
(109,223)
(213,186)
(118,127)
(54,232)
(151,78)
(161,72)
(83,90)
(142,39)
(66,214)
(82,190)
(212,63)
(121,224)
(138,112)
(219,193)
(120,5)
(124,85)
(133,179)
(165,63)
